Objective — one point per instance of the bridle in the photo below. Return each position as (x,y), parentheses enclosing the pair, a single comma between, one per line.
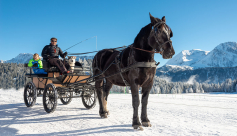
(155,29)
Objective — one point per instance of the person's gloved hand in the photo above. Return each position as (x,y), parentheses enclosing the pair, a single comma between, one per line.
(49,57)
(65,54)
(35,65)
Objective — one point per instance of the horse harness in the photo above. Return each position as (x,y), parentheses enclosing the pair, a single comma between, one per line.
(131,65)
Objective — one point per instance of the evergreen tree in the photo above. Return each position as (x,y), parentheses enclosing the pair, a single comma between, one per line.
(190,90)
(196,87)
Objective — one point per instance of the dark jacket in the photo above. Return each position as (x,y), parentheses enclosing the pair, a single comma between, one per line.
(51,51)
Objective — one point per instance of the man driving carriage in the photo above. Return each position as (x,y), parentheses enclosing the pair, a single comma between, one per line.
(51,53)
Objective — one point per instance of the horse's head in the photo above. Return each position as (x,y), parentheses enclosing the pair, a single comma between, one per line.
(159,38)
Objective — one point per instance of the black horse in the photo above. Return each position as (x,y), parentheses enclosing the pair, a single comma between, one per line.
(155,37)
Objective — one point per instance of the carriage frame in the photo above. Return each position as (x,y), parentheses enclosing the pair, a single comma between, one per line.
(53,86)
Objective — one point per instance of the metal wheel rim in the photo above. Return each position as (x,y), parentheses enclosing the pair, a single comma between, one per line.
(68,95)
(50,98)
(30,94)
(89,97)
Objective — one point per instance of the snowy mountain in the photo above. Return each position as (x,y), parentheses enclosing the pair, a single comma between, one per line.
(206,66)
(174,68)
(223,55)
(21,58)
(188,57)
(25,58)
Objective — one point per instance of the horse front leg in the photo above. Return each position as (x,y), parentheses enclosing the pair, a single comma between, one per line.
(135,103)
(145,95)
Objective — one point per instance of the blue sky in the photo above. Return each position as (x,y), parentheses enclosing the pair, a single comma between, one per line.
(26,26)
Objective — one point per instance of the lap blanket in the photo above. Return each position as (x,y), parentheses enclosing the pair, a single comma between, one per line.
(39,71)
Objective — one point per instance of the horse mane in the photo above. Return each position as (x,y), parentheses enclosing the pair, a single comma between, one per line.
(142,35)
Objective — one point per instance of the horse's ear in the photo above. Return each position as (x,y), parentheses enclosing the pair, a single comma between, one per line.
(153,20)
(163,19)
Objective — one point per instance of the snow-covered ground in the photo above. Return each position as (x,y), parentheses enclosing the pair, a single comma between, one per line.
(170,114)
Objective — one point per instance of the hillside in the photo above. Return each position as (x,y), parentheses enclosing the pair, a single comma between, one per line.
(204,66)
(202,75)
(223,55)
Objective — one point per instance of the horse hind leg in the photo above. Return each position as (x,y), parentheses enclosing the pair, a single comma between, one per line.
(103,96)
(107,86)
(100,95)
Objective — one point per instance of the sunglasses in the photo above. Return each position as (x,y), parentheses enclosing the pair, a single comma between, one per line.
(53,41)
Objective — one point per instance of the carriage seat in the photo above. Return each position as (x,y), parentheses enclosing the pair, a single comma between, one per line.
(50,68)
(77,67)
(46,66)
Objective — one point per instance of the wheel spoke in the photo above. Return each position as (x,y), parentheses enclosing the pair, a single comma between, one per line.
(29,101)
(89,102)
(50,98)
(30,94)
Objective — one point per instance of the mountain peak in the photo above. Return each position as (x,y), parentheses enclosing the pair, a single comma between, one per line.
(223,55)
(187,57)
(230,47)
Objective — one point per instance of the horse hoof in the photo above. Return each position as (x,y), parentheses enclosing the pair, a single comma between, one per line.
(138,127)
(146,124)
(107,112)
(103,115)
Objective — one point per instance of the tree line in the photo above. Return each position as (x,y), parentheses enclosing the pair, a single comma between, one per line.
(161,86)
(12,75)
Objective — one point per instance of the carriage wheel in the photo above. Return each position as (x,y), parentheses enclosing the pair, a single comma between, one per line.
(89,98)
(30,94)
(50,96)
(67,100)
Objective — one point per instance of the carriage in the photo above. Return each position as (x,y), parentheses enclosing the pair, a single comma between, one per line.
(53,86)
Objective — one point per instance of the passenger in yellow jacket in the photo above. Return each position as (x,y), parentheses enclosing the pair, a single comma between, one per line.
(36,60)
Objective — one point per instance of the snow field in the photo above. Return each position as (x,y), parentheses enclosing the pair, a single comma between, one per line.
(170,114)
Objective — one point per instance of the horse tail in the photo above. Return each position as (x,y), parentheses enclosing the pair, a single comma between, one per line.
(96,65)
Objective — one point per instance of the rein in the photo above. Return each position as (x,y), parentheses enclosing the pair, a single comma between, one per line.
(146,50)
(96,51)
